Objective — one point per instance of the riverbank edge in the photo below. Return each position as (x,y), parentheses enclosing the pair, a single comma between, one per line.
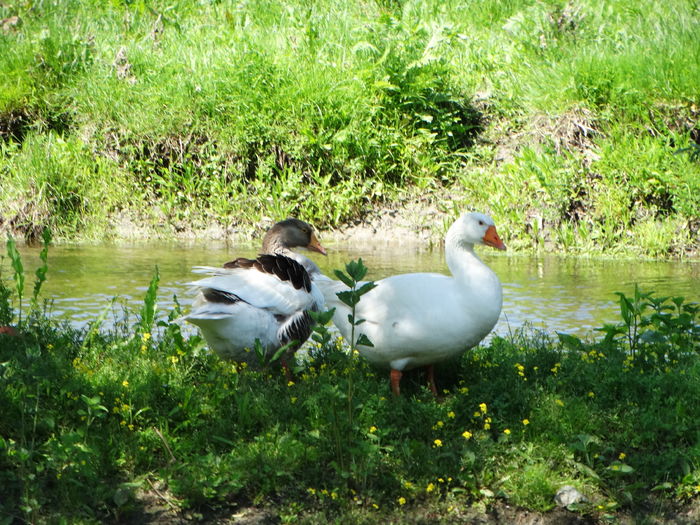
(413,219)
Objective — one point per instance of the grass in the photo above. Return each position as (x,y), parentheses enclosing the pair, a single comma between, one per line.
(99,423)
(559,118)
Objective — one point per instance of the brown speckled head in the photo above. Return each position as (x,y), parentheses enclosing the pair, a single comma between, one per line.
(291,233)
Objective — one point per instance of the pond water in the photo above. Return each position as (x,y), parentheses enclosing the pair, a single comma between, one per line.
(572,295)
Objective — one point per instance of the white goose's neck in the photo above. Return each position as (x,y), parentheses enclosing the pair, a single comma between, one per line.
(469,270)
(461,259)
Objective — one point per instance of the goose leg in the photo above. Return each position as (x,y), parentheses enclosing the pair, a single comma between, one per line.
(287,371)
(430,370)
(395,377)
(9,330)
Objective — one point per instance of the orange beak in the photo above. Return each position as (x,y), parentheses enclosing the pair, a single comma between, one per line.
(315,246)
(491,238)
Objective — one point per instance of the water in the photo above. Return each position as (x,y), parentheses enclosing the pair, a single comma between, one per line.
(551,293)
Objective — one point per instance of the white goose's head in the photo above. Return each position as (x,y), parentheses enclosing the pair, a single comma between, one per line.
(474,228)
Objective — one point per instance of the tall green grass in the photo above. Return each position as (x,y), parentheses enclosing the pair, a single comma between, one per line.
(199,112)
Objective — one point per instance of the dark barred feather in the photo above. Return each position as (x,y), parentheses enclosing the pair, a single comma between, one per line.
(218,296)
(282,267)
(296,328)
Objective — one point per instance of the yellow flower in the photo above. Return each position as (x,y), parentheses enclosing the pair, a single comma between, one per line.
(451,414)
(408,484)
(372,429)
(174,359)
(49,346)
(440,480)
(506,431)
(439,424)
(125,383)
(311,491)
(290,383)
(375,506)
(466,434)
(145,337)
(591,394)
(487,426)
(334,495)
(430,487)
(463,390)
(437,443)
(293,400)
(559,402)
(526,422)
(402,501)
(483,408)
(622,455)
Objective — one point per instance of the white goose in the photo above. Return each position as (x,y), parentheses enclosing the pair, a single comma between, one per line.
(267,298)
(419,319)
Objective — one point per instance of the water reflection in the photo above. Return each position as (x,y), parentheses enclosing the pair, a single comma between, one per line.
(551,293)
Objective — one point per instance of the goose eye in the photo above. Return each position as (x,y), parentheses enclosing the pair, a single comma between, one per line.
(481,223)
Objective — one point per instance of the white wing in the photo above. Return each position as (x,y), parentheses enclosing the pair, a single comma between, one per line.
(262,290)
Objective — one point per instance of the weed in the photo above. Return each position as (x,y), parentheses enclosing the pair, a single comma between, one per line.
(520,417)
(356,271)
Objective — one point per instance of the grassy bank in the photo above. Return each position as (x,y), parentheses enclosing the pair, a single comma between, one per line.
(560,118)
(130,422)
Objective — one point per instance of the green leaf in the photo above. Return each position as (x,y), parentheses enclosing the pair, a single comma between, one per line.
(349,298)
(322,318)
(347,281)
(625,308)
(18,268)
(356,270)
(41,270)
(570,341)
(258,349)
(364,341)
(282,350)
(366,287)
(148,310)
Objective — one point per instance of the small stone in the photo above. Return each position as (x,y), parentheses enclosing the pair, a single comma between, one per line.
(568,495)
